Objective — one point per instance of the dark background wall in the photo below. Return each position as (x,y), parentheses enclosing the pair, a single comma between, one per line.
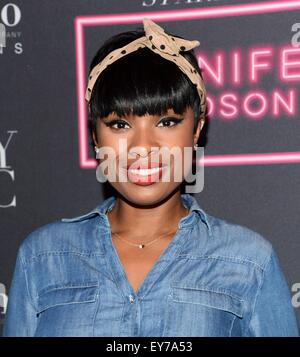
(43,175)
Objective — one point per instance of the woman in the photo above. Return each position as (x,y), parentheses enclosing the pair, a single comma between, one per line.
(148,261)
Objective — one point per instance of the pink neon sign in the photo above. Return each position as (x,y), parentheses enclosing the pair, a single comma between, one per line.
(261,62)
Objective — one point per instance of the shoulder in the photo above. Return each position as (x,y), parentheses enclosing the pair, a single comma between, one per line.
(238,242)
(62,235)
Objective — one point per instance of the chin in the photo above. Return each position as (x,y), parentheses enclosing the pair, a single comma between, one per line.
(147,195)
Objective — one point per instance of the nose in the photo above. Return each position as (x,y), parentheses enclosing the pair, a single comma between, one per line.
(143,142)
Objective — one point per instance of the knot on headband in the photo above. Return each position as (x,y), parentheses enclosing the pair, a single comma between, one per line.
(158,41)
(165,43)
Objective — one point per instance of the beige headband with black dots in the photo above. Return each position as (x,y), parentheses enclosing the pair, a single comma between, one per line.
(161,43)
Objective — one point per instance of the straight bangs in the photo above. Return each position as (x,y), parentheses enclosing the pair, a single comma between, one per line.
(140,83)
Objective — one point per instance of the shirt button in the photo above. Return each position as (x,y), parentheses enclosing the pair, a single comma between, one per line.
(131,299)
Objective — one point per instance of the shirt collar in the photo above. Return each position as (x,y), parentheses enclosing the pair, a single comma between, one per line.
(188,201)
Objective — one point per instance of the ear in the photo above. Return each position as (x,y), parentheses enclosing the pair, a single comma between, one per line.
(198,130)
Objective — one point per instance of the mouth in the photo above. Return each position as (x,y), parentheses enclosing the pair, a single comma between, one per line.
(144,174)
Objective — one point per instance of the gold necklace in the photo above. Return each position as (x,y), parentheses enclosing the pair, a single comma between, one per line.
(143,244)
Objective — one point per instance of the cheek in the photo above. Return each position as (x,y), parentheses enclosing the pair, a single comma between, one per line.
(114,143)
(183,160)
(183,139)
(104,136)
(181,136)
(182,163)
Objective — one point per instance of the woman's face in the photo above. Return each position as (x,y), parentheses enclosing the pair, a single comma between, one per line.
(163,143)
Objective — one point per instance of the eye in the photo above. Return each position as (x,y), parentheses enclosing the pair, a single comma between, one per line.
(118,123)
(167,121)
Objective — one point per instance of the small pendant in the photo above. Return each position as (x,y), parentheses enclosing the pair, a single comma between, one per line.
(141,246)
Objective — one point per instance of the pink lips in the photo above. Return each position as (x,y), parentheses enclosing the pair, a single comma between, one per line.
(144,180)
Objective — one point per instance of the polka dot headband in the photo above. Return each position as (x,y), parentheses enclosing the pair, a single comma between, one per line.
(159,42)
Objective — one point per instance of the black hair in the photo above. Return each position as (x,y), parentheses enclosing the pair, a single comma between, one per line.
(141,82)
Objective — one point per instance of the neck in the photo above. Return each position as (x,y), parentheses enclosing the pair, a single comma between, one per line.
(138,222)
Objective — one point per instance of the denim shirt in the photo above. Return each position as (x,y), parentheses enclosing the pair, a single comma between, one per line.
(214,278)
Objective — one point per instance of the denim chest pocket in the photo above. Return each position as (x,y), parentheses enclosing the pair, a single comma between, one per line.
(67,310)
(67,295)
(194,311)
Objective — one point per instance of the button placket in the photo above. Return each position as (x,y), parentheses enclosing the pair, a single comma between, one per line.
(131,298)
